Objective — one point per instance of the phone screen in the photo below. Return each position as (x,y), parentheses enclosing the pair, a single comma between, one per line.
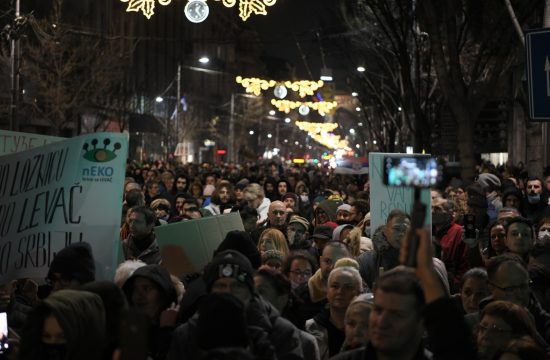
(403,170)
(3,333)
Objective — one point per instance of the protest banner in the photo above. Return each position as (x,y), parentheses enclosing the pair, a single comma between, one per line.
(352,166)
(384,199)
(187,246)
(60,193)
(13,142)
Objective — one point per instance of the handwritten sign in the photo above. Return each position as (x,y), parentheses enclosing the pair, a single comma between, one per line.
(57,194)
(13,142)
(384,199)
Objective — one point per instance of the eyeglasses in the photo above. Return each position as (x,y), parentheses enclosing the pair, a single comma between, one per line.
(492,329)
(511,289)
(300,273)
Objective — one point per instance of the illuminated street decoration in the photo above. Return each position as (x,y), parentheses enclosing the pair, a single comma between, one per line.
(147,7)
(280,91)
(331,141)
(247,7)
(316,128)
(322,107)
(304,87)
(196,11)
(255,85)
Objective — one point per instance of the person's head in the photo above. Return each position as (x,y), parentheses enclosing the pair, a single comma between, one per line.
(519,235)
(511,198)
(291,201)
(341,232)
(254,195)
(283,187)
(71,267)
(343,213)
(500,322)
(150,290)
(239,191)
(332,252)
(397,225)
(504,213)
(277,213)
(508,279)
(359,209)
(321,235)
(68,324)
(162,208)
(190,209)
(357,321)
(196,190)
(344,284)
(272,239)
(242,242)
(125,270)
(151,175)
(223,194)
(167,179)
(273,260)
(533,189)
(298,267)
(230,272)
(442,212)
(210,180)
(497,234)
(141,221)
(297,229)
(180,200)
(182,183)
(473,288)
(153,188)
(395,322)
(273,287)
(543,231)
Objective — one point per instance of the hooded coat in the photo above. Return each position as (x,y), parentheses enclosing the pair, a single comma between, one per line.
(82,318)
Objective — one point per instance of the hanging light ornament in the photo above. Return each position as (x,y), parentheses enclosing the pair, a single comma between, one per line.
(196,11)
(280,91)
(247,7)
(147,7)
(304,87)
(255,85)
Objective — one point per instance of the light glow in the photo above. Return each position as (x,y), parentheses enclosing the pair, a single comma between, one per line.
(247,7)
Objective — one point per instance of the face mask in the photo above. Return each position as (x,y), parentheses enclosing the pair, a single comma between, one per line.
(367,231)
(544,235)
(54,351)
(304,198)
(533,199)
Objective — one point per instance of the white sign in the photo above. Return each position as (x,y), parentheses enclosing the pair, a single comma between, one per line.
(61,193)
(384,199)
(13,142)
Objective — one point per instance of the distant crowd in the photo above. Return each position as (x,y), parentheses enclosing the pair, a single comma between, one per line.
(308,278)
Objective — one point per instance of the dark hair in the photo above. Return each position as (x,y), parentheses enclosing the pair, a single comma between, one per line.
(512,314)
(518,219)
(397,213)
(525,348)
(494,263)
(223,184)
(490,251)
(404,282)
(134,197)
(192,201)
(543,220)
(302,255)
(478,272)
(362,206)
(149,215)
(338,245)
(540,249)
(280,282)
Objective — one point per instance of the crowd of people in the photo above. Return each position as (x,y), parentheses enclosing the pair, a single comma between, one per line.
(307,278)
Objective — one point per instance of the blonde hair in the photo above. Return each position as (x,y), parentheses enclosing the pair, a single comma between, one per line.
(278,238)
(125,270)
(253,191)
(155,203)
(353,241)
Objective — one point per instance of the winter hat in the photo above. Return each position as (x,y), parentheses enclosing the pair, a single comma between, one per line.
(242,242)
(336,233)
(295,219)
(208,190)
(273,255)
(488,181)
(76,261)
(291,196)
(160,277)
(221,322)
(322,232)
(229,264)
(344,207)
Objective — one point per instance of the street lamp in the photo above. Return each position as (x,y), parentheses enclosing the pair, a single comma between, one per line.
(361,69)
(204,60)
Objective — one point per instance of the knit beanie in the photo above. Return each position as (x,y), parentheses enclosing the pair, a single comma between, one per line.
(74,262)
(229,264)
(488,181)
(296,219)
(241,242)
(272,255)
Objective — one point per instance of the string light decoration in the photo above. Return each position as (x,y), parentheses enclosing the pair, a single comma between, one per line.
(255,85)
(304,87)
(147,7)
(322,107)
(247,7)
(331,141)
(316,128)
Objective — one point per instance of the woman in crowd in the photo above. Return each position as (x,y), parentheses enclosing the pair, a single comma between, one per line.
(473,288)
(298,267)
(273,239)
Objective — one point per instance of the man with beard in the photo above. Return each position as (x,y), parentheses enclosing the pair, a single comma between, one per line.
(448,236)
(141,244)
(536,200)
(387,242)
(359,209)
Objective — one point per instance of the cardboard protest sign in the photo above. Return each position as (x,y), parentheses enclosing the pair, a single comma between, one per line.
(352,166)
(187,246)
(13,142)
(384,199)
(57,194)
